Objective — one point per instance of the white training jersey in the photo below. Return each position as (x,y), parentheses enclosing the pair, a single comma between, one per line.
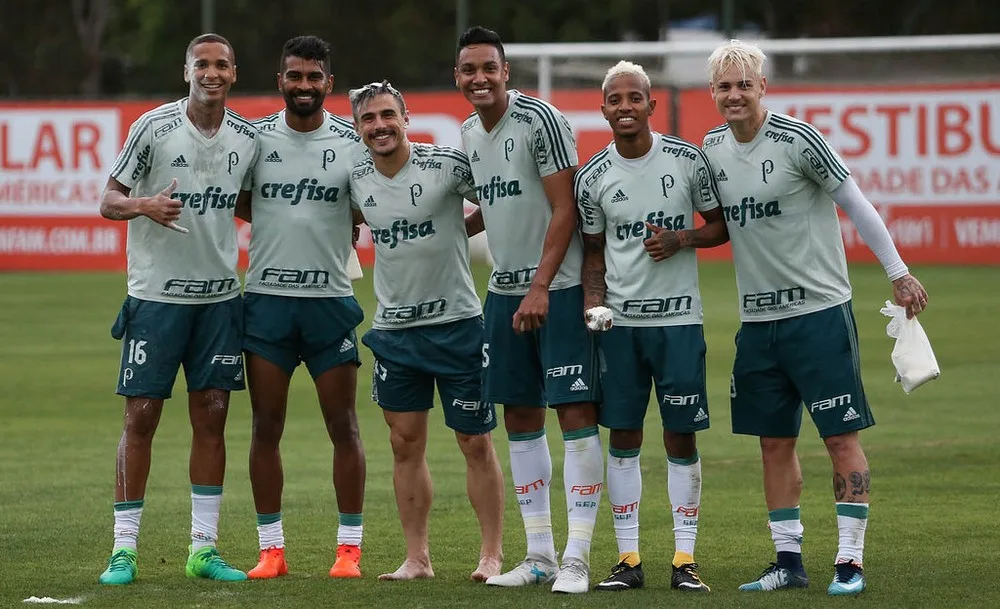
(417,221)
(533,140)
(301,233)
(617,197)
(787,246)
(199,267)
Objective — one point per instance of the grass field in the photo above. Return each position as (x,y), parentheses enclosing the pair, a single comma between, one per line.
(933,539)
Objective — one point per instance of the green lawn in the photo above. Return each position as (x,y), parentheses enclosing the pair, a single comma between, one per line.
(933,540)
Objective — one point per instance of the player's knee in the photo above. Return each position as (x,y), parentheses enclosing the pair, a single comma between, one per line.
(843,446)
(476,448)
(268,429)
(523,419)
(141,419)
(625,439)
(680,445)
(577,416)
(407,443)
(343,430)
(777,449)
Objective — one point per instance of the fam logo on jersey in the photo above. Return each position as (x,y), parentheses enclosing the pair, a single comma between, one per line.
(212,198)
(402,230)
(749,209)
(407,313)
(637,229)
(715,140)
(597,172)
(199,288)
(513,280)
(540,148)
(294,278)
(307,189)
(815,163)
(362,170)
(497,188)
(777,300)
(166,128)
(645,308)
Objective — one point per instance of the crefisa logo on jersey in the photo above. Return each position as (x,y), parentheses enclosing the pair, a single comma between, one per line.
(212,198)
(497,188)
(141,163)
(402,230)
(307,189)
(750,209)
(637,229)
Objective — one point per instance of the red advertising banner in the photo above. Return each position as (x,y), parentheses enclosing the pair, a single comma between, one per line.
(928,157)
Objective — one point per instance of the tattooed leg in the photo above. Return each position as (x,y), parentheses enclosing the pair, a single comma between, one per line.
(851,478)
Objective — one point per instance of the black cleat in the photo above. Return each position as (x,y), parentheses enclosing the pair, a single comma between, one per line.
(623,577)
(685,577)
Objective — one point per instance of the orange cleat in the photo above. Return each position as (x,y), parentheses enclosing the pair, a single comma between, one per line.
(348,558)
(272,564)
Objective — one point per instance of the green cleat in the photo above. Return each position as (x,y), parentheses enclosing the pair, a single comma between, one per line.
(122,568)
(207,563)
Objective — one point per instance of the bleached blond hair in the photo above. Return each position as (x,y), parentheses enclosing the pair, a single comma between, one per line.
(626,68)
(744,55)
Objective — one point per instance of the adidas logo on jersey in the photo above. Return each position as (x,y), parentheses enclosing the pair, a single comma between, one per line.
(273,157)
(619,197)
(475,157)
(370,201)
(721,177)
(179,162)
(701,416)
(851,415)
(578,385)
(347,346)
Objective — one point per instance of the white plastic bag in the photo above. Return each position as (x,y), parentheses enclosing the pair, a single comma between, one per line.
(912,355)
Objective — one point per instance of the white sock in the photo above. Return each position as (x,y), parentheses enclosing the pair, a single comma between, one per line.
(624,493)
(684,491)
(583,473)
(852,520)
(205,504)
(531,470)
(349,529)
(270,532)
(127,516)
(786,529)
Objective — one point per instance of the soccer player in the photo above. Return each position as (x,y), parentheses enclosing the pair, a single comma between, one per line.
(428,326)
(537,351)
(637,198)
(176,182)
(779,180)
(299,304)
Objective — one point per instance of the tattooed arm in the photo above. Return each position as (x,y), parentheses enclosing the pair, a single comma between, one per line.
(908,293)
(592,275)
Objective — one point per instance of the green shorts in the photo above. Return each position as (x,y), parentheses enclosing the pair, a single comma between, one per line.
(158,338)
(409,361)
(670,359)
(554,365)
(286,330)
(811,359)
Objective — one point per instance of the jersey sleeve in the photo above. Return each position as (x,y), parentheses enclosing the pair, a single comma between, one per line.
(818,161)
(553,144)
(704,190)
(136,157)
(248,176)
(591,213)
(461,175)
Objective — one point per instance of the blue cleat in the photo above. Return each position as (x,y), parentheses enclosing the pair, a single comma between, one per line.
(777,578)
(849,580)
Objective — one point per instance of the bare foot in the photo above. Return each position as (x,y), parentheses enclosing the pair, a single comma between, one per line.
(488,567)
(410,569)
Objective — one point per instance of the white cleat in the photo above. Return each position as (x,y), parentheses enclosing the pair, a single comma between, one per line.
(531,571)
(573,578)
